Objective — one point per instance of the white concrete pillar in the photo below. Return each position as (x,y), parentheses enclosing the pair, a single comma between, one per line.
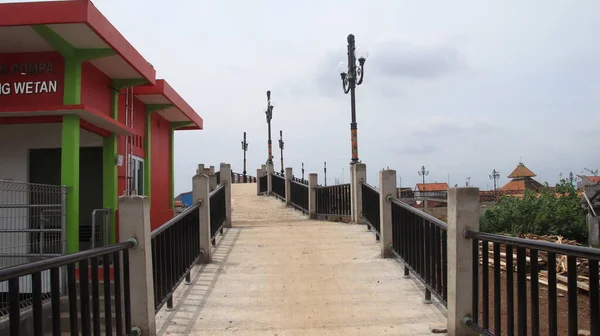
(387,192)
(359,176)
(212,178)
(288,186)
(263,169)
(352,195)
(312,194)
(225,169)
(463,213)
(134,216)
(200,193)
(200,169)
(270,170)
(258,175)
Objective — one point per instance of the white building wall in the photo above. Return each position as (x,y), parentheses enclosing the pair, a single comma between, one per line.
(15,143)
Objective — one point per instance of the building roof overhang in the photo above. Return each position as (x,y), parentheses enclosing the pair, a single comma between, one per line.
(161,98)
(75,29)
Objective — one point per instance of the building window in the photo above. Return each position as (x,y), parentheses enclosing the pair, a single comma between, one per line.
(137,176)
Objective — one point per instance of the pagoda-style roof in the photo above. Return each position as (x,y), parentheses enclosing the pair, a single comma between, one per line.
(521,171)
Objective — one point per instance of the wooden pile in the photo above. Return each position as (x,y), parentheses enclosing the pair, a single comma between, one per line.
(561,262)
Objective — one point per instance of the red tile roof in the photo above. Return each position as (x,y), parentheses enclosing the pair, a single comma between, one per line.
(522,185)
(595,179)
(521,171)
(432,186)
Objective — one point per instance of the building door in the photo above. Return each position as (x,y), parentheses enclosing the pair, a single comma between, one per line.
(44,167)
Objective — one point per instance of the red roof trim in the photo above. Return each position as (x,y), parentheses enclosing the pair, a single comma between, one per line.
(62,12)
(163,88)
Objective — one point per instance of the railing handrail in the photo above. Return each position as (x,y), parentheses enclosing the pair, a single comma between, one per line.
(219,187)
(422,214)
(173,220)
(42,265)
(299,183)
(333,186)
(57,186)
(370,186)
(571,250)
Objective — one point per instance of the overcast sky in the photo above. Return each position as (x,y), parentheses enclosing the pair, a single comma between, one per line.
(462,87)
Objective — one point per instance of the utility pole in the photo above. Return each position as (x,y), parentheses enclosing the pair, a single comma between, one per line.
(468,181)
(325,171)
(302,172)
(281,148)
(244,148)
(269,114)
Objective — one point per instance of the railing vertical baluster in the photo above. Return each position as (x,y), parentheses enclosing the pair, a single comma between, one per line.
(535,300)
(72,282)
(14,307)
(55,300)
(510,294)
(107,296)
(594,297)
(445,264)
(485,285)
(36,287)
(475,281)
(126,291)
(572,295)
(522,291)
(118,302)
(497,289)
(95,297)
(438,260)
(84,283)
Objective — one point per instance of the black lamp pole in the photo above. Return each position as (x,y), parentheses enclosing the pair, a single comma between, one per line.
(423,173)
(350,79)
(495,176)
(325,171)
(281,147)
(302,171)
(244,148)
(269,113)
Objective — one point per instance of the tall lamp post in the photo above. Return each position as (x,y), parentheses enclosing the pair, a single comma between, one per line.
(281,147)
(495,176)
(423,172)
(302,172)
(325,171)
(269,113)
(244,148)
(351,77)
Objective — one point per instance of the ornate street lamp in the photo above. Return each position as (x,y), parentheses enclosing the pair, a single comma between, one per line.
(302,172)
(423,172)
(352,75)
(244,148)
(325,171)
(281,147)
(269,113)
(495,176)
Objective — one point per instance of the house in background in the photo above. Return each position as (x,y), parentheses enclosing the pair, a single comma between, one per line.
(80,107)
(522,179)
(185,199)
(434,190)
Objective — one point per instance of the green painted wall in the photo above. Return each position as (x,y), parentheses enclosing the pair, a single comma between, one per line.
(109,171)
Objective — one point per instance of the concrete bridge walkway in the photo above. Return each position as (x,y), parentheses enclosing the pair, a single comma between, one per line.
(278,273)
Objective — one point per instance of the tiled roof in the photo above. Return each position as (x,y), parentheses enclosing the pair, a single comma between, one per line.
(521,171)
(521,185)
(595,179)
(432,186)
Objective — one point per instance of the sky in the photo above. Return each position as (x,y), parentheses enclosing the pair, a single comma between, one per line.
(460,87)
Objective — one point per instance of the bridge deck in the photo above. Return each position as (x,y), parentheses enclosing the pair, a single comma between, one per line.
(278,273)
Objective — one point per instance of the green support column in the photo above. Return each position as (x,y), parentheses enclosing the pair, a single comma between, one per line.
(70,178)
(109,171)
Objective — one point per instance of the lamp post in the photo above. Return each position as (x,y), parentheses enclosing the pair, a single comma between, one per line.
(244,148)
(351,77)
(281,147)
(325,171)
(269,113)
(302,172)
(423,172)
(495,176)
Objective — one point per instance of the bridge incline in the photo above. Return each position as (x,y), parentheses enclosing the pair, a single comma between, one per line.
(278,273)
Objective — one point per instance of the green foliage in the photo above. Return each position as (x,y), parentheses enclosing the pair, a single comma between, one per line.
(551,212)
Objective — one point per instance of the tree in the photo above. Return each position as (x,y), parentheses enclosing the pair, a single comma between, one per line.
(553,211)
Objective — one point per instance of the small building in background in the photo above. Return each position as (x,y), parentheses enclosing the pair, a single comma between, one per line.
(522,179)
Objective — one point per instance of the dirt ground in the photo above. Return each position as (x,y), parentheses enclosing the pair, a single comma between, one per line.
(562,310)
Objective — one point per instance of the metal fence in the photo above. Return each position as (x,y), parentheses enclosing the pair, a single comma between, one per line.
(263,183)
(333,200)
(299,196)
(278,185)
(218,212)
(175,249)
(370,208)
(523,309)
(420,242)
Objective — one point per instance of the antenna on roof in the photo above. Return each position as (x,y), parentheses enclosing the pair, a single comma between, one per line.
(520,160)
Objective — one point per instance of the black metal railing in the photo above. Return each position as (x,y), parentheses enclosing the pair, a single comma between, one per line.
(175,249)
(299,180)
(333,200)
(240,178)
(218,175)
(533,258)
(218,212)
(278,185)
(419,240)
(263,183)
(52,275)
(370,208)
(299,196)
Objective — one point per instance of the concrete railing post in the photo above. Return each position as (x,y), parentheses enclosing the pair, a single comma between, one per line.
(288,185)
(212,178)
(352,195)
(263,168)
(387,193)
(463,213)
(225,169)
(358,175)
(200,169)
(312,195)
(200,193)
(259,173)
(270,170)
(134,216)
